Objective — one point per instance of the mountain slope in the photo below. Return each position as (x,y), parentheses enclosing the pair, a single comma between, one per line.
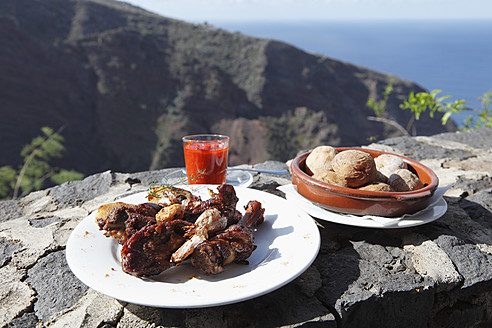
(126,84)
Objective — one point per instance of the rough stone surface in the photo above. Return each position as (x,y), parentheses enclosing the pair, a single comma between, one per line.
(9,209)
(479,138)
(73,193)
(435,275)
(478,205)
(15,295)
(420,149)
(430,260)
(7,248)
(54,294)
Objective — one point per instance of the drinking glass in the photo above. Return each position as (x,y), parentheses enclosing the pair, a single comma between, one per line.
(206,158)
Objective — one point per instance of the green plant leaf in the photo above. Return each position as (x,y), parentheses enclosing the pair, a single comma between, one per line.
(66,175)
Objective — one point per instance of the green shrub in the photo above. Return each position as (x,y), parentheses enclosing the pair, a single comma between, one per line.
(483,117)
(36,170)
(422,102)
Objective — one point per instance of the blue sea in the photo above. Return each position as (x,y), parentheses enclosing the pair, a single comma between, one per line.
(452,56)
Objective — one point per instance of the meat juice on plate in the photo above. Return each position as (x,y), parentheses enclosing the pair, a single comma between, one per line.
(206,158)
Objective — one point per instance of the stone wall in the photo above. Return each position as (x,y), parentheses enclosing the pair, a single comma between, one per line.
(435,275)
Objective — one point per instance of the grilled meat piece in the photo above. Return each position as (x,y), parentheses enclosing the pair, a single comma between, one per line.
(253,216)
(235,244)
(105,210)
(167,195)
(116,218)
(135,223)
(148,251)
(211,220)
(208,222)
(170,213)
(232,215)
(225,200)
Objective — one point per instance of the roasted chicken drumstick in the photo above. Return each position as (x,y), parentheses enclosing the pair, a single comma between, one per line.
(235,244)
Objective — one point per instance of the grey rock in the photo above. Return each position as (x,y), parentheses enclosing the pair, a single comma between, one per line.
(92,310)
(276,309)
(464,228)
(271,165)
(467,312)
(26,320)
(7,248)
(74,193)
(136,316)
(145,178)
(479,138)
(338,271)
(56,286)
(43,221)
(269,182)
(470,262)
(418,151)
(430,260)
(16,297)
(36,202)
(310,281)
(481,202)
(372,253)
(471,187)
(9,210)
(409,309)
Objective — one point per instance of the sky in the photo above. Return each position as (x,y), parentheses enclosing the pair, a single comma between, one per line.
(211,11)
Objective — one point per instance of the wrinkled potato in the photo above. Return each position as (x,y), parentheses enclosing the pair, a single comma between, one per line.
(386,164)
(356,167)
(319,160)
(330,177)
(404,180)
(389,160)
(377,186)
(380,177)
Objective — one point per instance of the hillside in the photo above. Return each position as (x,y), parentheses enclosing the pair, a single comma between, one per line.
(126,84)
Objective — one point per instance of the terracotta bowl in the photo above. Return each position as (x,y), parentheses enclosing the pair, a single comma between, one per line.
(363,202)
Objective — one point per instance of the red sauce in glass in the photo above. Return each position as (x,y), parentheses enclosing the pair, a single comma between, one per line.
(206,162)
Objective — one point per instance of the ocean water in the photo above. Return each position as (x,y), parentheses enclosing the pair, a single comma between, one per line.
(452,56)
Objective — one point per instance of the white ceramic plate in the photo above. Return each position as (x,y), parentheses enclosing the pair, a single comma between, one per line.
(434,211)
(287,243)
